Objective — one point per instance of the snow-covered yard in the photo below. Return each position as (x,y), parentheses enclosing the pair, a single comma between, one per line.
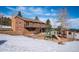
(3,26)
(22,43)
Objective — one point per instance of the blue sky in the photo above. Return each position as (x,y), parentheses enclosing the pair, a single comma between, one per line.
(44,12)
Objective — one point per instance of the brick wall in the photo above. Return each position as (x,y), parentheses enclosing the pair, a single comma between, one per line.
(17,25)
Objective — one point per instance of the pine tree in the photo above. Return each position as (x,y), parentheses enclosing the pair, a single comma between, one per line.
(0,21)
(48,24)
(9,21)
(5,21)
(36,18)
(19,14)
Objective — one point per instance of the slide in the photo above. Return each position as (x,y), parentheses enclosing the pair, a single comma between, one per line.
(58,37)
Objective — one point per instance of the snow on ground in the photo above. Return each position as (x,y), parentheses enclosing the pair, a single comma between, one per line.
(22,43)
(3,26)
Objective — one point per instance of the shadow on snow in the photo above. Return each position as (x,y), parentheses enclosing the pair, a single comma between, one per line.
(2,41)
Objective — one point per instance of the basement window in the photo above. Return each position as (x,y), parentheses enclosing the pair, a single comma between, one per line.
(19,22)
(70,33)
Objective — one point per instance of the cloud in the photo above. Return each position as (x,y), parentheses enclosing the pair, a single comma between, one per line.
(3,14)
(73,23)
(21,8)
(17,8)
(36,10)
(10,8)
(47,14)
(54,22)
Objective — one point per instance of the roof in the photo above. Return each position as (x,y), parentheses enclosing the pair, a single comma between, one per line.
(31,20)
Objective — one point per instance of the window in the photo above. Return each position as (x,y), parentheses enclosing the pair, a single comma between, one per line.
(19,22)
(27,24)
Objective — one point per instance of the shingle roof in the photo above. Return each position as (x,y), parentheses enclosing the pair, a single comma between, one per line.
(32,20)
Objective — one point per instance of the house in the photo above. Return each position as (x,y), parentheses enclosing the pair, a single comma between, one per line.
(73,34)
(20,25)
